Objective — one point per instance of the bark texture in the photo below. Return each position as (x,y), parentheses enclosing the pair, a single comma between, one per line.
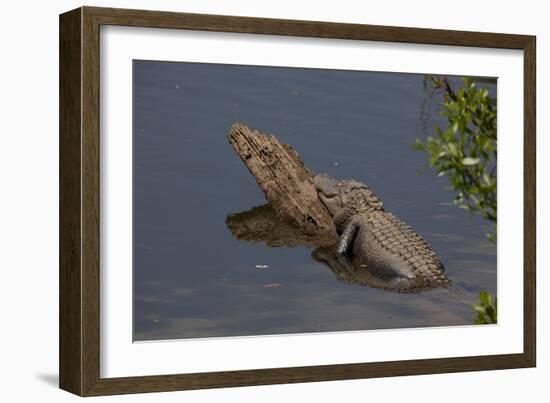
(286,183)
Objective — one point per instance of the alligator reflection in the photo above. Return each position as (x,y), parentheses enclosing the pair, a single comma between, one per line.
(262,225)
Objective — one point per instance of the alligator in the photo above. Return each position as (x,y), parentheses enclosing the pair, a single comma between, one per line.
(375,241)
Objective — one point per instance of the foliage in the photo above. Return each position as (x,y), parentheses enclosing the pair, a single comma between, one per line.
(466,150)
(486,309)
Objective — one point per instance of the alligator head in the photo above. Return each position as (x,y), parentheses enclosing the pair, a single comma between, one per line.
(337,195)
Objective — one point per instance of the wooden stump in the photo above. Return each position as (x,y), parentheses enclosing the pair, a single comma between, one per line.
(286,183)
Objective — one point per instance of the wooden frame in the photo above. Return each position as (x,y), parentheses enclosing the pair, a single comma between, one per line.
(79,201)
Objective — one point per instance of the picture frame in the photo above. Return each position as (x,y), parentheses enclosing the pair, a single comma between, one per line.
(79,276)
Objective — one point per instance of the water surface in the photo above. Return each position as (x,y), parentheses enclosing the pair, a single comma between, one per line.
(192,278)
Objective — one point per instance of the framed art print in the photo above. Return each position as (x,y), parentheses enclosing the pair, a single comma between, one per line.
(251,201)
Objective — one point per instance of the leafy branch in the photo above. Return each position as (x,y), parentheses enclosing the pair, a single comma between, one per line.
(486,309)
(466,150)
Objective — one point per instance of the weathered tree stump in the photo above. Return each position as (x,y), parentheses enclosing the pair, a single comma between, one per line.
(286,183)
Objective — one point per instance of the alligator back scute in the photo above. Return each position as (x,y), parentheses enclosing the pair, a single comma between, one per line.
(398,239)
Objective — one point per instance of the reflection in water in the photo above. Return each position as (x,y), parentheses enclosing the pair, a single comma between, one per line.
(262,225)
(349,270)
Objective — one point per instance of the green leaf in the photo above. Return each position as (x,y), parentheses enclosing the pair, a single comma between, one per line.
(484,297)
(479,308)
(470,161)
(454,128)
(418,145)
(452,149)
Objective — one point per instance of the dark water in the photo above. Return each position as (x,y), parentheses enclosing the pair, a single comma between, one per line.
(192,278)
